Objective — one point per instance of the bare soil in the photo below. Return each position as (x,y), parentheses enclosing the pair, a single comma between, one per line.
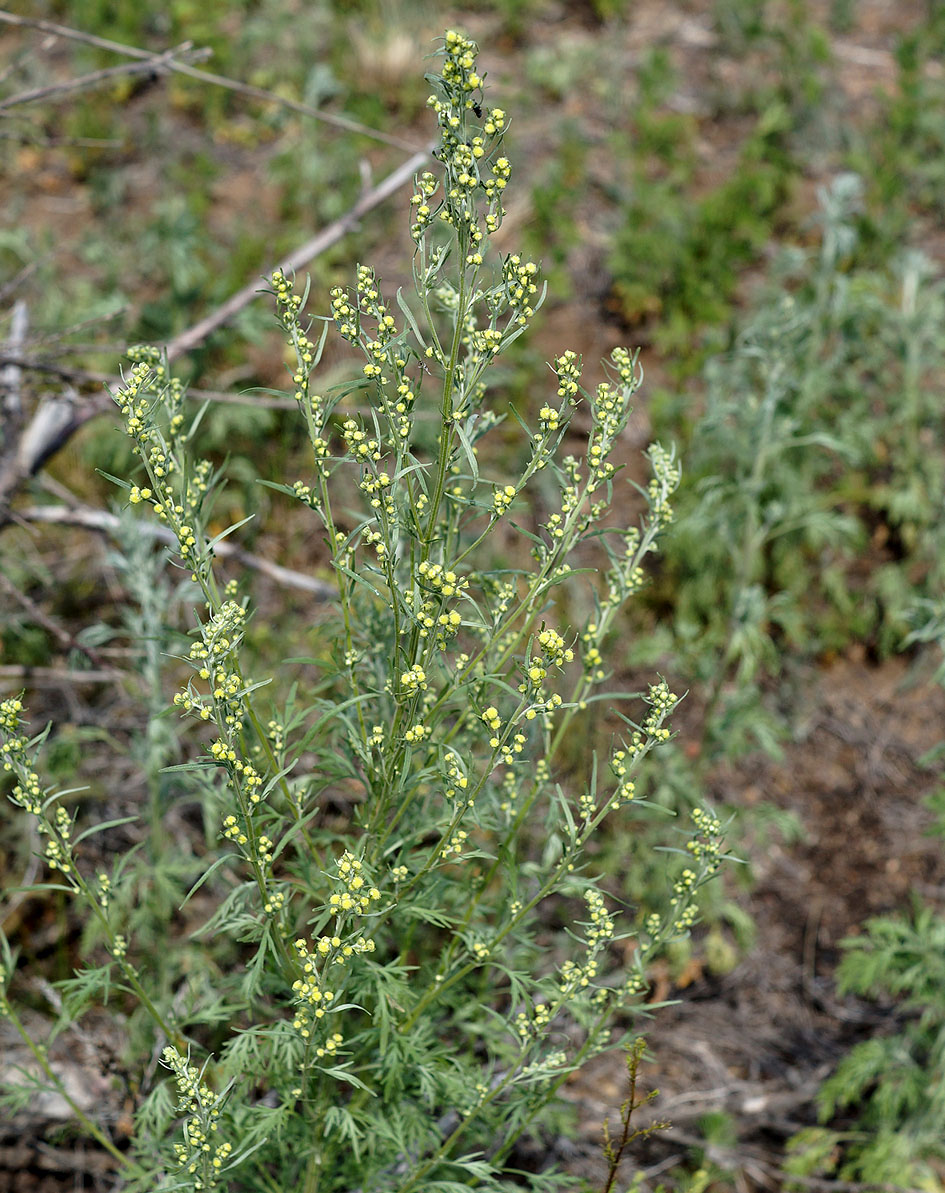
(757,1042)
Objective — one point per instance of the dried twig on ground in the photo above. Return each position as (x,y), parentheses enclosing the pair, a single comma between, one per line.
(157,65)
(19,675)
(302,255)
(343,122)
(101,520)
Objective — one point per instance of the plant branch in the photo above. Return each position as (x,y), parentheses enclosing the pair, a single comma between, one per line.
(614,1152)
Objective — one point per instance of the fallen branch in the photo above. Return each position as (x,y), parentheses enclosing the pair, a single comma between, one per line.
(103,521)
(196,393)
(103,43)
(157,65)
(22,675)
(66,640)
(302,256)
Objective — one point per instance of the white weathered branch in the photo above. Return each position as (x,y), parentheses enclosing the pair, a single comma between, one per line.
(107,523)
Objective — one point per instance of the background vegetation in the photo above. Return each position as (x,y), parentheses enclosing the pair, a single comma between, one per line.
(752,192)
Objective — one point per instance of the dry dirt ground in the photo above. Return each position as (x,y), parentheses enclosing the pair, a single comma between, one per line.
(757,1042)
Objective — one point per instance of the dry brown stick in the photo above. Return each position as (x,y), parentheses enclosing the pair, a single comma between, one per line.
(345,122)
(12,416)
(159,64)
(61,334)
(101,520)
(89,39)
(36,364)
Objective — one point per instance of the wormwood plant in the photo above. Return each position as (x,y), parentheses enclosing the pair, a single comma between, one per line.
(378,1003)
(814,439)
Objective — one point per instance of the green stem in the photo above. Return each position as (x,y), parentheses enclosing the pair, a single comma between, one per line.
(752,543)
(444,447)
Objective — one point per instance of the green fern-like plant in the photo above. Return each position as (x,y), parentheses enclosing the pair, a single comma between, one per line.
(890,1087)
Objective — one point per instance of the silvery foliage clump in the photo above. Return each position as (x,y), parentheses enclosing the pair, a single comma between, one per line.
(374,1000)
